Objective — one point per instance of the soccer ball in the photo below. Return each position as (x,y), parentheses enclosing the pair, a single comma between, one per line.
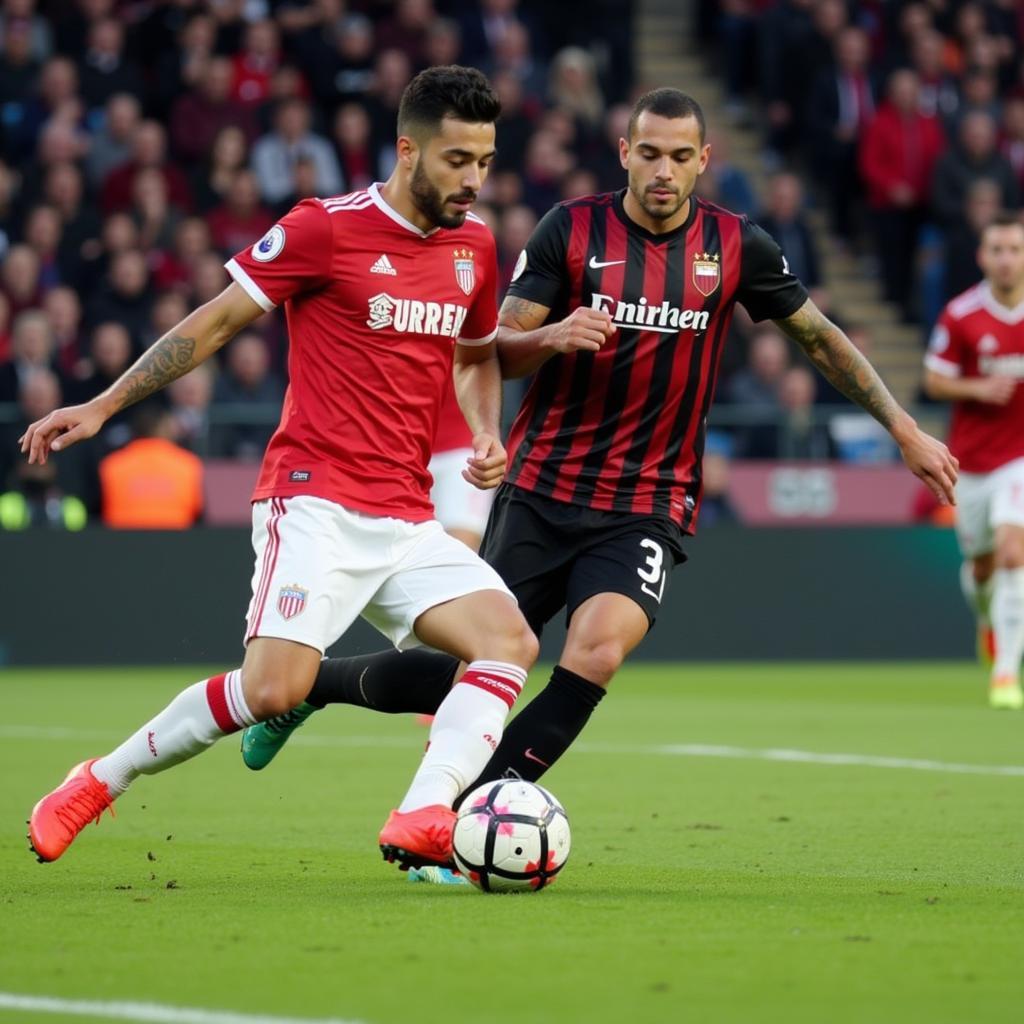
(511,836)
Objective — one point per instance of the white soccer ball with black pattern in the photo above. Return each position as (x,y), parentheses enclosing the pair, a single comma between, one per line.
(511,836)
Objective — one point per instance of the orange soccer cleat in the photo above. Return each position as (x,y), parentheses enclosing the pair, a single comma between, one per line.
(62,814)
(418,838)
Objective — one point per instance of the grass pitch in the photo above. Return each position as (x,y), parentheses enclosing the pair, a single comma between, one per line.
(709,880)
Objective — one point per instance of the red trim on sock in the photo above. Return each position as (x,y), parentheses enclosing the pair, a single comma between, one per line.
(218,701)
(495,683)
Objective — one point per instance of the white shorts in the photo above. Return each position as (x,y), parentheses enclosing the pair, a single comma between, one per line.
(985,501)
(458,505)
(319,565)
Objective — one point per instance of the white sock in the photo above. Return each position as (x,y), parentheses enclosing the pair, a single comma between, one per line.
(467,728)
(193,721)
(978,595)
(1008,620)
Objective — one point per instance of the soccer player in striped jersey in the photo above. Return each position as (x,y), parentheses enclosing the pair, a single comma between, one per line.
(619,307)
(381,288)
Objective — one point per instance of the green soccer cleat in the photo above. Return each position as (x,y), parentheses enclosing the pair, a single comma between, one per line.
(432,874)
(262,742)
(1005,693)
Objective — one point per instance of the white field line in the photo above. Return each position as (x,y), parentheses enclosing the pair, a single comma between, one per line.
(33,732)
(145,1013)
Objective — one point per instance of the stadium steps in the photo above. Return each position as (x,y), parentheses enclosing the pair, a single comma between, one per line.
(666,54)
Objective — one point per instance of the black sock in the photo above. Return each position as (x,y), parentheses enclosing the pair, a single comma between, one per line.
(394,682)
(543,731)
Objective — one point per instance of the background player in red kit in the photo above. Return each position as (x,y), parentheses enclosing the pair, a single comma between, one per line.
(379,287)
(619,306)
(976,360)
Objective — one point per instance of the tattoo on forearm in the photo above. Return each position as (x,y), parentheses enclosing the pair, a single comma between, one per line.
(516,312)
(840,363)
(169,359)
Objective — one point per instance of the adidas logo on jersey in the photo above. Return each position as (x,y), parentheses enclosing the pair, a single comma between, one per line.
(383,266)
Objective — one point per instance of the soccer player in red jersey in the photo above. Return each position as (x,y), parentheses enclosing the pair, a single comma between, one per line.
(619,307)
(976,361)
(380,287)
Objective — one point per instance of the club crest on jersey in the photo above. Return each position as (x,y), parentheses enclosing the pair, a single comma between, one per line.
(291,601)
(706,272)
(465,270)
(270,245)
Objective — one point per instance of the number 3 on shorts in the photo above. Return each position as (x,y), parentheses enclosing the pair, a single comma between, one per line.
(653,575)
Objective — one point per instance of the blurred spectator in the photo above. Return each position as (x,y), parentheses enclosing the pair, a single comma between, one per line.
(173,268)
(105,68)
(112,144)
(19,278)
(18,68)
(31,350)
(54,98)
(546,164)
(42,235)
(484,26)
(841,104)
(241,219)
(228,155)
(170,308)
(517,225)
(443,43)
(355,147)
(938,94)
(975,156)
(110,354)
(513,54)
(783,218)
(125,296)
(64,190)
(898,153)
(755,390)
(799,435)
(716,507)
(1012,145)
(118,233)
(737,34)
(190,398)
(392,71)
(151,483)
(605,162)
(22,15)
(209,278)
(180,67)
(963,236)
(247,380)
(9,185)
(723,182)
(201,115)
(155,217)
(785,31)
(275,154)
(59,493)
(574,87)
(407,29)
(5,329)
(256,63)
(149,150)
(63,309)
(580,181)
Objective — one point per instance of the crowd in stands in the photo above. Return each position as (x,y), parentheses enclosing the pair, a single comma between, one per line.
(142,142)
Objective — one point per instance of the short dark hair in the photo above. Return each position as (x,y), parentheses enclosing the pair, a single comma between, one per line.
(667,103)
(446,91)
(1004,219)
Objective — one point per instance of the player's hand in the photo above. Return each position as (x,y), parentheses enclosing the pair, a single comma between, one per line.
(931,461)
(486,469)
(583,330)
(995,390)
(61,429)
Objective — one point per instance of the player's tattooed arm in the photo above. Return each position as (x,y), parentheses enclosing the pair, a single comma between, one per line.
(839,361)
(196,338)
(526,342)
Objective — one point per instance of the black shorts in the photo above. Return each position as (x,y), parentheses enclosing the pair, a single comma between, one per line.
(554,555)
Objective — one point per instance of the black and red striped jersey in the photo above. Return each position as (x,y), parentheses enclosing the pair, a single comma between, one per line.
(623,429)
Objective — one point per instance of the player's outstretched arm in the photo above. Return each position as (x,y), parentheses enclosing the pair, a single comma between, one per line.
(525,342)
(839,361)
(195,339)
(995,390)
(478,389)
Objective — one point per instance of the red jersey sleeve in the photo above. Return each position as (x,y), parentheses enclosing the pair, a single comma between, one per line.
(946,347)
(294,256)
(481,324)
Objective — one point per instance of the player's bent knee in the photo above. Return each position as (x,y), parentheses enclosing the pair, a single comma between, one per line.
(269,697)
(516,645)
(596,662)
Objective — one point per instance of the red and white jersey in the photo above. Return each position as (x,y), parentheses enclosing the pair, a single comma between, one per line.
(374,307)
(977,337)
(452,429)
